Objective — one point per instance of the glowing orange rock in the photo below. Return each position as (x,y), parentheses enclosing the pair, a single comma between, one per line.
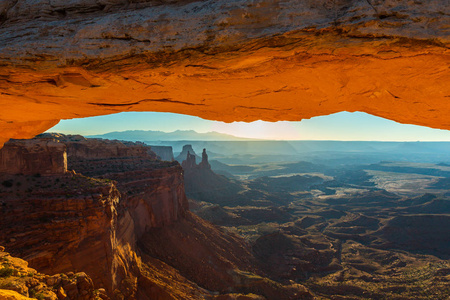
(223,60)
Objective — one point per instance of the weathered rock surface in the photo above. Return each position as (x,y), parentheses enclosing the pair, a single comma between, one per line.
(62,223)
(30,157)
(204,164)
(133,235)
(88,224)
(79,147)
(222,60)
(214,259)
(189,162)
(152,191)
(19,282)
(202,184)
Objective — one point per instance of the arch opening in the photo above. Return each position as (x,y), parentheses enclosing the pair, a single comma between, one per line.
(343,126)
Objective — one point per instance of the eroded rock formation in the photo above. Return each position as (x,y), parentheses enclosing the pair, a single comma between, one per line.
(128,227)
(187,149)
(19,282)
(62,223)
(189,163)
(31,157)
(89,225)
(204,164)
(78,147)
(164,152)
(202,184)
(222,60)
(153,190)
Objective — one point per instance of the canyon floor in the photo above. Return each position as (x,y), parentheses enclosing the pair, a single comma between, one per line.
(346,229)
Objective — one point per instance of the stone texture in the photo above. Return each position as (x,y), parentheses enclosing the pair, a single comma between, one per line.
(79,147)
(68,221)
(61,223)
(190,162)
(223,60)
(25,283)
(133,236)
(33,157)
(152,191)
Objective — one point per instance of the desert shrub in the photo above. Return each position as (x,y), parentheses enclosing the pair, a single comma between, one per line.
(39,296)
(6,272)
(33,294)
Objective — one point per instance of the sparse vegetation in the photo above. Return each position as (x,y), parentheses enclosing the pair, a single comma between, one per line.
(5,272)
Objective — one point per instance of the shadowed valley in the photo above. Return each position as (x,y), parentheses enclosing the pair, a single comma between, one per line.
(224,225)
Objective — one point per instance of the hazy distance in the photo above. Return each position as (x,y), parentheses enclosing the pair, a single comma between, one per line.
(343,126)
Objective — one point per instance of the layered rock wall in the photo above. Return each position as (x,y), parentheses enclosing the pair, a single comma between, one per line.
(61,223)
(189,162)
(152,191)
(68,221)
(133,235)
(33,157)
(81,148)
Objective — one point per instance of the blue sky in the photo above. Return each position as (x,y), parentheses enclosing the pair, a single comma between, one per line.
(341,126)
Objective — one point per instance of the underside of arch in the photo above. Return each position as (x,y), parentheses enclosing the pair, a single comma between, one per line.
(223,60)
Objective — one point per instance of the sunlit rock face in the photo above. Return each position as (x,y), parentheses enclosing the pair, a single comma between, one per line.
(90,217)
(223,60)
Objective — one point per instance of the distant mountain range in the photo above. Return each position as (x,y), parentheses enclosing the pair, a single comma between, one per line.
(179,135)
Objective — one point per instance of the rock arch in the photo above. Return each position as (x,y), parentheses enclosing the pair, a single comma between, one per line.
(223,60)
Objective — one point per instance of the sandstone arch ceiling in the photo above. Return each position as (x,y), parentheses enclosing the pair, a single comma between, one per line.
(223,60)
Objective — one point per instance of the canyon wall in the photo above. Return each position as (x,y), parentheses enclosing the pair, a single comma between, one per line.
(122,216)
(151,190)
(222,60)
(31,157)
(61,223)
(81,148)
(67,221)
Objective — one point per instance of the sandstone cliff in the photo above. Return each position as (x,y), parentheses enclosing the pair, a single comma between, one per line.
(30,157)
(128,227)
(79,147)
(88,224)
(152,191)
(61,223)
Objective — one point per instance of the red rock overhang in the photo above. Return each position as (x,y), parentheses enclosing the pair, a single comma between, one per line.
(223,60)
